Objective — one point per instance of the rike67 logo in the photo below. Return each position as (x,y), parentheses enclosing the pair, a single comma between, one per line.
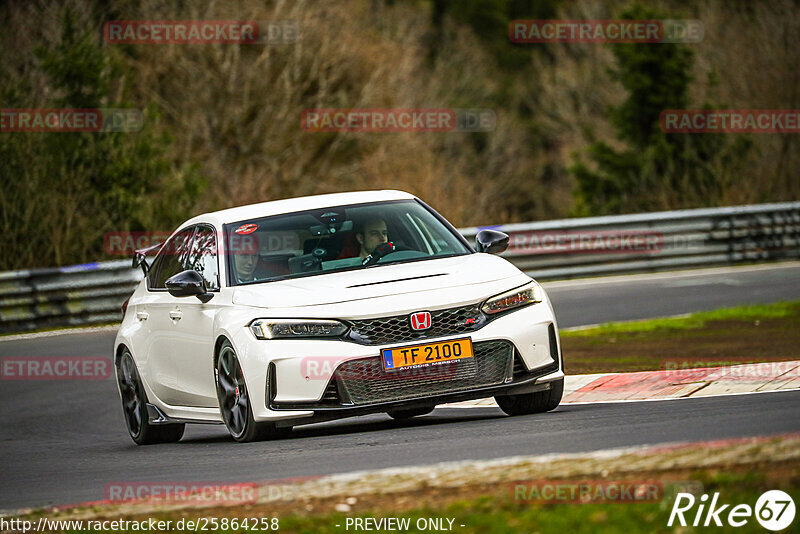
(774,510)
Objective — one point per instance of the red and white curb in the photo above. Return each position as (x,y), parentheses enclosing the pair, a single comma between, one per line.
(673,384)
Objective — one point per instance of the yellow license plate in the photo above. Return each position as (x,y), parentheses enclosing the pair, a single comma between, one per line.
(427,354)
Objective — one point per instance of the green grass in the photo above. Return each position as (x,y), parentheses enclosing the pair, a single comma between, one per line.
(502,514)
(499,512)
(692,321)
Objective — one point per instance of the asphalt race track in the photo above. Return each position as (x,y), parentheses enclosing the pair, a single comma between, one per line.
(624,298)
(68,452)
(62,441)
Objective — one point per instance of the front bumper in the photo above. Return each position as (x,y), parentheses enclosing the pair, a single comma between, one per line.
(530,382)
(286,387)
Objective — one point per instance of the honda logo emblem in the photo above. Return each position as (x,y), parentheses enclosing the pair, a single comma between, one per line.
(420,320)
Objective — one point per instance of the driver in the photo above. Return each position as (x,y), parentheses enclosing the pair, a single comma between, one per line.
(370,233)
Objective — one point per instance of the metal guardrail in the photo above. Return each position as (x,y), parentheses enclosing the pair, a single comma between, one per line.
(75,295)
(559,249)
(593,246)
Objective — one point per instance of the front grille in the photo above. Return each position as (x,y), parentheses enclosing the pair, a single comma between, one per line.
(551,335)
(331,394)
(384,330)
(519,366)
(364,381)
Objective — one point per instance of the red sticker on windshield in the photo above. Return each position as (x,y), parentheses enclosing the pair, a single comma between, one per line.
(246,229)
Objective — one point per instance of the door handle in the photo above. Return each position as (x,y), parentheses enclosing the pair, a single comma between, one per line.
(175,315)
(142,315)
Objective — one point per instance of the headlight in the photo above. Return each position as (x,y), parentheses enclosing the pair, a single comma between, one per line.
(296,328)
(530,294)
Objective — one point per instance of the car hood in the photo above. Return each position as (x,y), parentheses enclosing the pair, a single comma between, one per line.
(381,281)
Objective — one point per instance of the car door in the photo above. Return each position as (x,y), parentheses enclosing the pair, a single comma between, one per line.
(192,342)
(159,310)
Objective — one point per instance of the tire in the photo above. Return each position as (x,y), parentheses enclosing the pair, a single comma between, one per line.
(234,402)
(134,407)
(404,414)
(537,402)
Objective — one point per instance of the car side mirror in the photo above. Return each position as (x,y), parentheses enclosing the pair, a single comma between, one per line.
(491,241)
(188,283)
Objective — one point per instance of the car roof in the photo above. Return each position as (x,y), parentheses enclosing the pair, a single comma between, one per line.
(291,205)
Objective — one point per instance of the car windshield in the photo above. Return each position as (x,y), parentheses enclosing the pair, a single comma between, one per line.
(340,238)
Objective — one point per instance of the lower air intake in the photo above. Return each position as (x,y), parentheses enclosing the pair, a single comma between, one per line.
(365,382)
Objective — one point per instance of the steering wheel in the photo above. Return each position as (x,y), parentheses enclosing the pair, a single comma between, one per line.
(384,249)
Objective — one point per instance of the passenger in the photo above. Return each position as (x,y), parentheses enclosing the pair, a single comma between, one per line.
(245,250)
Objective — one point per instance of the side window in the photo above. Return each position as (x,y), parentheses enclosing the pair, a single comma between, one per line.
(203,256)
(171,259)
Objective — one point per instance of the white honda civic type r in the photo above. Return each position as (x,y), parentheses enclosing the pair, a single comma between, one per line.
(296,311)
